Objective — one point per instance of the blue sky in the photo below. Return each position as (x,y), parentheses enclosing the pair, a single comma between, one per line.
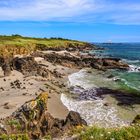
(88,20)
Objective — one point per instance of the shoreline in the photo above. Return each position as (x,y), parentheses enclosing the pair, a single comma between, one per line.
(55,87)
(120,107)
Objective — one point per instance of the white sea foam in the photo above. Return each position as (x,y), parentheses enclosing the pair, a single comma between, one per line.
(131,61)
(133,68)
(77,79)
(94,112)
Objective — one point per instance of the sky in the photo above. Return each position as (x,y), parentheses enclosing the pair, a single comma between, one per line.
(86,20)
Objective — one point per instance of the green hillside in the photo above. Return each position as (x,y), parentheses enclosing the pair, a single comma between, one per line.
(16,44)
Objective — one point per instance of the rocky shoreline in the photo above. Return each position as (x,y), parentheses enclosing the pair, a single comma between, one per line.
(49,68)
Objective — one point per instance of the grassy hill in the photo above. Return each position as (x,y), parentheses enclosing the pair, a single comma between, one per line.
(16,44)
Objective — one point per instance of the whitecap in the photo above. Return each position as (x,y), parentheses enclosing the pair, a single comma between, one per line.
(133,68)
(78,79)
(131,61)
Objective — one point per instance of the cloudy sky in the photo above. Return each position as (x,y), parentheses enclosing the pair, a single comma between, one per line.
(89,20)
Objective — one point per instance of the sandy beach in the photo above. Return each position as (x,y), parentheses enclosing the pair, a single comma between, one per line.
(17,89)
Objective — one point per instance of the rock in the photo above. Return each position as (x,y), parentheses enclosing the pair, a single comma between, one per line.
(8,106)
(26,65)
(73,119)
(110,76)
(24,94)
(116,79)
(29,67)
(4,79)
(89,71)
(16,84)
(5,63)
(7,70)
(33,117)
(1,89)
(106,104)
(136,120)
(80,61)
(108,63)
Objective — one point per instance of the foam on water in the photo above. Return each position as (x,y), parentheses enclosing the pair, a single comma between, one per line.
(76,79)
(134,68)
(94,112)
(92,109)
(131,61)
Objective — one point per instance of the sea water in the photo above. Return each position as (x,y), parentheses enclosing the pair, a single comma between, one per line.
(93,109)
(130,54)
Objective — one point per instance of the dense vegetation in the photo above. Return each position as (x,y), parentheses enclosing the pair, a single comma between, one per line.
(16,44)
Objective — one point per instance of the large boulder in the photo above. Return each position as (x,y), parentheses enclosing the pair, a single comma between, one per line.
(74,119)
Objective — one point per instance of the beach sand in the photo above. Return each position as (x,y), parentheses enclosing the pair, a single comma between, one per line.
(17,89)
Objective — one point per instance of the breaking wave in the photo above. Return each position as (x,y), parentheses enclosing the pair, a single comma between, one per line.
(88,105)
(133,68)
(94,111)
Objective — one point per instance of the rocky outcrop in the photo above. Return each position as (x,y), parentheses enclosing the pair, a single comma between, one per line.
(77,60)
(108,63)
(32,118)
(26,65)
(5,63)
(29,67)
(73,119)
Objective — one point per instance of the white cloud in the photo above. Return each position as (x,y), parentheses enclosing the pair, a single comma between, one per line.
(104,11)
(45,9)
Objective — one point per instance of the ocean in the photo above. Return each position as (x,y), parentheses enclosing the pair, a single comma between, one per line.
(84,83)
(129,53)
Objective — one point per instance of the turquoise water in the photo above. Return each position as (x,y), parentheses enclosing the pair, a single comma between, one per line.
(129,53)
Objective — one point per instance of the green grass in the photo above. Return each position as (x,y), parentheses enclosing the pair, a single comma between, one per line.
(16,44)
(14,137)
(96,133)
